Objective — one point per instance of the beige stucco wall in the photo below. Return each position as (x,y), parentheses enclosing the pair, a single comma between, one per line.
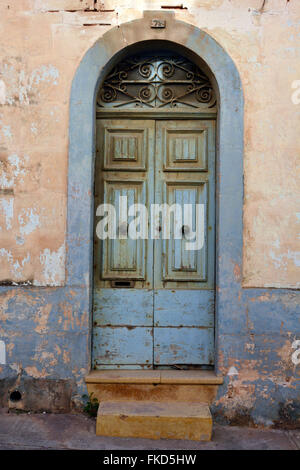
(41,44)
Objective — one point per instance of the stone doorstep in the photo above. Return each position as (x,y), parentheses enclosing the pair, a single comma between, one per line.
(153,385)
(152,420)
(180,377)
(158,392)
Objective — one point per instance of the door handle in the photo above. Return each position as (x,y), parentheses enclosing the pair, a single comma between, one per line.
(123,229)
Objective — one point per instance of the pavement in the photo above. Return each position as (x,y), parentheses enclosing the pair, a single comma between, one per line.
(77,431)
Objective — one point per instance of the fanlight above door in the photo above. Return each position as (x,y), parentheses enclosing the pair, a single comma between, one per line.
(156,81)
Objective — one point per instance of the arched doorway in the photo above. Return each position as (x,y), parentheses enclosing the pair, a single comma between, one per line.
(229,185)
(154,296)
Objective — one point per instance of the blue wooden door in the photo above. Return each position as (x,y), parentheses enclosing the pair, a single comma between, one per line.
(184,278)
(153,302)
(123,276)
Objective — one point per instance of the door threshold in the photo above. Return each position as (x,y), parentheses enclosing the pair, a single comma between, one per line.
(188,377)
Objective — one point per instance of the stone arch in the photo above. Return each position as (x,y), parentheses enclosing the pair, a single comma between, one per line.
(229,197)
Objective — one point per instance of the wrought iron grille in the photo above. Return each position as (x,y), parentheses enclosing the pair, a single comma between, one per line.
(156,81)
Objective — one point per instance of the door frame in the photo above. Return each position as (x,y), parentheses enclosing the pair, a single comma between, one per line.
(229,156)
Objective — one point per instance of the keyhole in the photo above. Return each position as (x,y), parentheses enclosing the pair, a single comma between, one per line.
(185,230)
(123,229)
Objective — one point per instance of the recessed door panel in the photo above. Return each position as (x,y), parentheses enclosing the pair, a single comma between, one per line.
(123,256)
(125,148)
(184,260)
(185,149)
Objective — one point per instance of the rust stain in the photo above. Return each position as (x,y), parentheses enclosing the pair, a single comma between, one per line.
(34,372)
(66,357)
(237,272)
(41,318)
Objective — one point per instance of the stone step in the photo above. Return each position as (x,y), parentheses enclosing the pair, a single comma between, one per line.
(153,385)
(152,420)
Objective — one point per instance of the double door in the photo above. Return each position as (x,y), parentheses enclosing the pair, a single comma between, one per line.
(153,300)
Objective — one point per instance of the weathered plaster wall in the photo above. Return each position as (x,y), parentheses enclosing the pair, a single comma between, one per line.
(45,327)
(42,43)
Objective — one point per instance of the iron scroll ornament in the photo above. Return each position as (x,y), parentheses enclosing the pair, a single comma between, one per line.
(156,82)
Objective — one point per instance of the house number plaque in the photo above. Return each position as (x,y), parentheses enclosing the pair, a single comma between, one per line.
(155,23)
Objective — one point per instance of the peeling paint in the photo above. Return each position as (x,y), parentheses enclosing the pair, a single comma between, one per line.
(34,372)
(2,352)
(2,92)
(8,209)
(29,220)
(41,318)
(53,266)
(16,266)
(233,371)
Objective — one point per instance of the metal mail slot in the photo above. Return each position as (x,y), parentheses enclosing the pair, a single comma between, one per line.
(122,283)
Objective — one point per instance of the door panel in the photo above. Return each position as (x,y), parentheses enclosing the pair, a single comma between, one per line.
(185,149)
(188,307)
(186,185)
(125,148)
(123,317)
(183,346)
(122,346)
(184,279)
(122,257)
(134,307)
(182,264)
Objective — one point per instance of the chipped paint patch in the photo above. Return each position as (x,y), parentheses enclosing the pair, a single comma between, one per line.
(12,170)
(8,209)
(33,128)
(18,86)
(41,318)
(16,266)
(2,353)
(233,371)
(2,92)
(34,372)
(281,260)
(6,131)
(29,220)
(28,84)
(53,266)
